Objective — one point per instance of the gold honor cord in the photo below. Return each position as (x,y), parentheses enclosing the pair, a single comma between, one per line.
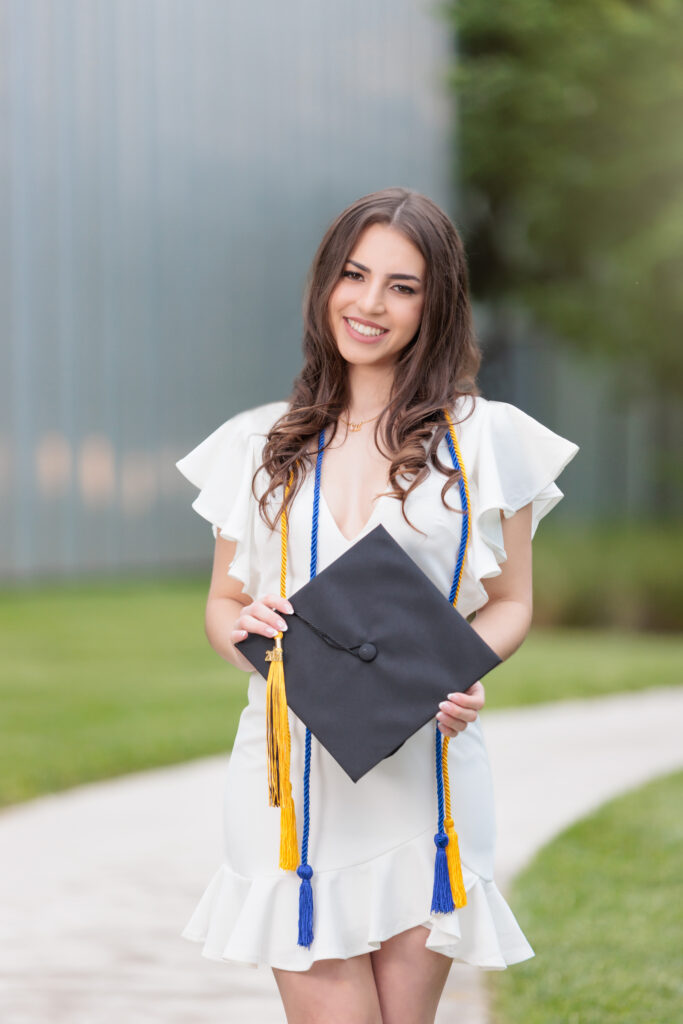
(277,727)
(453,849)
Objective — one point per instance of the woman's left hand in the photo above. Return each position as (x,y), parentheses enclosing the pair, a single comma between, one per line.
(460,709)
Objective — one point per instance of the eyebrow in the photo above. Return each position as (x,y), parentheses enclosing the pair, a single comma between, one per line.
(390,277)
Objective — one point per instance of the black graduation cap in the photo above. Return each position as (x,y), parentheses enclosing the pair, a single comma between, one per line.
(371,650)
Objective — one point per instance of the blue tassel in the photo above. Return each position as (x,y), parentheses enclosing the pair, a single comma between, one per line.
(305,871)
(442,898)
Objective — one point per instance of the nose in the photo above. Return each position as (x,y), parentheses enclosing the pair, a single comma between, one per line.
(370,300)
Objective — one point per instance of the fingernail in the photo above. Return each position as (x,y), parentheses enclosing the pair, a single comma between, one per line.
(442,705)
(452,696)
(282,624)
(289,608)
(271,631)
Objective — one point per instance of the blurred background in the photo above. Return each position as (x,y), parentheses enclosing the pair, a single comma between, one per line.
(167,171)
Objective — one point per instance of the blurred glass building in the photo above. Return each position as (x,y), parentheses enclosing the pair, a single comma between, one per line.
(168,171)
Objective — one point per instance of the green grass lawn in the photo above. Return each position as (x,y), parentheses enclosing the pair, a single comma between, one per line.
(601,906)
(609,573)
(103,679)
(100,679)
(560,664)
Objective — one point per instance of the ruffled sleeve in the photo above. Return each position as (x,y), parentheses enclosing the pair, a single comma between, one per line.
(222,467)
(517,460)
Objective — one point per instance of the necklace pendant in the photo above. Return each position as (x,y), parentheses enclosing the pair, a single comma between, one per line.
(355,426)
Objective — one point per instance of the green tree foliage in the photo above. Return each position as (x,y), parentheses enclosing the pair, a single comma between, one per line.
(570,171)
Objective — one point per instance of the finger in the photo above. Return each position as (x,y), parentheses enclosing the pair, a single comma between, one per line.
(275,601)
(446,730)
(474,691)
(470,705)
(258,625)
(260,610)
(472,698)
(454,711)
(453,723)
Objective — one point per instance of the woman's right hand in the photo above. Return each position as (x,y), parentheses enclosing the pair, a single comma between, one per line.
(259,617)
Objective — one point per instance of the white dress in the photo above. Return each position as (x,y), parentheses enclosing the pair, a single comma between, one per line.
(371,843)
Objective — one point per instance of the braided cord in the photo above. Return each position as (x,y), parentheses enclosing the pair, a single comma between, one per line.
(305,871)
(454,448)
(442,748)
(444,901)
(284,531)
(440,780)
(313,571)
(444,776)
(288,826)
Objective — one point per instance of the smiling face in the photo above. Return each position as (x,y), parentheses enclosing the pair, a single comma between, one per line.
(375,308)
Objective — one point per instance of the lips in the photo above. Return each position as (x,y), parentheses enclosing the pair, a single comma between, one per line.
(366,323)
(365,339)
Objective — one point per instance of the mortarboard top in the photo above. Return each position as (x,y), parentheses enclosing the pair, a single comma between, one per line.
(371,650)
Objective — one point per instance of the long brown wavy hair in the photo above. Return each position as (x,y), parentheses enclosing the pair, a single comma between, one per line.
(432,371)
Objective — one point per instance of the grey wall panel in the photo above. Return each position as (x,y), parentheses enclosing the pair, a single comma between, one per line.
(167,169)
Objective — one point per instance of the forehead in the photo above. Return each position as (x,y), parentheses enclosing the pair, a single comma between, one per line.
(381,247)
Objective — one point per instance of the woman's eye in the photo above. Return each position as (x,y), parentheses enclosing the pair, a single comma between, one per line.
(353,274)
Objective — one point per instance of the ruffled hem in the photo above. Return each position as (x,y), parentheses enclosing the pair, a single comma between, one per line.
(253,921)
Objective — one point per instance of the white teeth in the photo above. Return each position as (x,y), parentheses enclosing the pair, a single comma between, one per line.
(370,332)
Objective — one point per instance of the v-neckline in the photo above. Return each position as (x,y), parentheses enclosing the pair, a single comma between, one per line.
(328,511)
(368,521)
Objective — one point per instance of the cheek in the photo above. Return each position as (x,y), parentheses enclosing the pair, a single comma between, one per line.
(408,315)
(340,296)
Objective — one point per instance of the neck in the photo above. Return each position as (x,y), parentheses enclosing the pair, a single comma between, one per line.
(369,390)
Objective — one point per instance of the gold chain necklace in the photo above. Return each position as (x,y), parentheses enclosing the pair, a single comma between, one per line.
(356,426)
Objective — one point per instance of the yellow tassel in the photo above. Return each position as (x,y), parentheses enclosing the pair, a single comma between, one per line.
(278,739)
(275,726)
(279,754)
(289,854)
(454,866)
(453,848)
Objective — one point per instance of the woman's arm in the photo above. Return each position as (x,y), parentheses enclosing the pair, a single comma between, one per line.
(224,603)
(503,622)
(506,618)
(230,612)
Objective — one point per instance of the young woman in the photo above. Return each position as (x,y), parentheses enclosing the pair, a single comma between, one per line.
(389,350)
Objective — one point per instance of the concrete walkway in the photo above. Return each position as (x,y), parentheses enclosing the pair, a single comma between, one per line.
(97,883)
